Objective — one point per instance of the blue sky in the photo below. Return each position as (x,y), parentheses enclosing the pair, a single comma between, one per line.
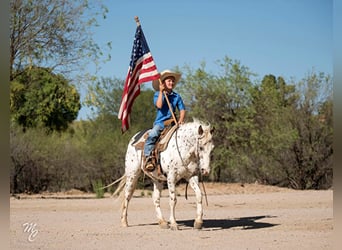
(285,38)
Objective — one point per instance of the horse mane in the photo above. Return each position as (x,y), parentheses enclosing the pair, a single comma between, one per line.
(200,122)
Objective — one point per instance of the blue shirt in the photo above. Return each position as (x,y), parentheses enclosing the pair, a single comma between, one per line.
(164,113)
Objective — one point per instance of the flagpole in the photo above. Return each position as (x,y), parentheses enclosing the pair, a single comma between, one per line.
(136,18)
(168,104)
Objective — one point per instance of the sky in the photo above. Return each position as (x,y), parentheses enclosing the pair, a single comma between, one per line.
(287,38)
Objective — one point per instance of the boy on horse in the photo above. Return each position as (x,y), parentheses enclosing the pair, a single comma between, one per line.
(167,83)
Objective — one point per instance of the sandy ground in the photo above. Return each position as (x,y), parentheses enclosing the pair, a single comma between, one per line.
(237,217)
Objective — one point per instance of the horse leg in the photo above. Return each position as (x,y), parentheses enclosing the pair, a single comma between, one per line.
(130,185)
(157,189)
(171,182)
(193,181)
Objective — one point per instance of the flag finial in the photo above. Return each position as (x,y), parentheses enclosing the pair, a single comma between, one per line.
(136,18)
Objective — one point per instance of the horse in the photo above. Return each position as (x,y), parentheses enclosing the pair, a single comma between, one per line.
(186,157)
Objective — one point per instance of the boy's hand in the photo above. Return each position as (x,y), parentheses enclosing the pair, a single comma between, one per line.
(161,87)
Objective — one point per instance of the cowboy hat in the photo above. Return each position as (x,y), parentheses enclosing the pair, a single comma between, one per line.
(163,75)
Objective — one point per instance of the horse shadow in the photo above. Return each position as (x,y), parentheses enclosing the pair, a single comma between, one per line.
(246,223)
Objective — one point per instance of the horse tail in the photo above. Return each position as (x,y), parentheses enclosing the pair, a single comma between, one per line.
(122,180)
(121,185)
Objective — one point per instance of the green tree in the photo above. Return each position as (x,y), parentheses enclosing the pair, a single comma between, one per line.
(53,34)
(47,162)
(271,132)
(274,103)
(104,98)
(144,111)
(223,101)
(40,98)
(310,165)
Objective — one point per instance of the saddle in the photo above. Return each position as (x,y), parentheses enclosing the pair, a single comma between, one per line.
(160,145)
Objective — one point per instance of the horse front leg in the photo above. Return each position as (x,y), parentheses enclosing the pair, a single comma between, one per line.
(193,181)
(171,182)
(157,189)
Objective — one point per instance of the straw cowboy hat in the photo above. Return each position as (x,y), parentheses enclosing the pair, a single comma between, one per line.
(163,75)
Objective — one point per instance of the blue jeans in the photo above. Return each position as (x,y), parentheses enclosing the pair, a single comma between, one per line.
(153,136)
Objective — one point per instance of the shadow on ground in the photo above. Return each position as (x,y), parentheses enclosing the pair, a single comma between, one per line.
(244,222)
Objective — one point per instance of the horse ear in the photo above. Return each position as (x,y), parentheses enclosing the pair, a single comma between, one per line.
(200,130)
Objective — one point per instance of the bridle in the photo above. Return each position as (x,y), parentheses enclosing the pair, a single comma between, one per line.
(198,138)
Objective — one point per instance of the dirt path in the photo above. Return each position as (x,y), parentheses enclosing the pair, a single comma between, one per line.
(249,217)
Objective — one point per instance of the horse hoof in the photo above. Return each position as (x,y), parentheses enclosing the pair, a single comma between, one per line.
(124,224)
(163,224)
(198,225)
(174,227)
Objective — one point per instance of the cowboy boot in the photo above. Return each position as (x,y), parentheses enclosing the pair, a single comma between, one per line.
(149,166)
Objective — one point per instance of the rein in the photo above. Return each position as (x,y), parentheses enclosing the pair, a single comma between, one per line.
(200,174)
(205,193)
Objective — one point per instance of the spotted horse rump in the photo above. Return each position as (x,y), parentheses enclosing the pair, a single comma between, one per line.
(186,157)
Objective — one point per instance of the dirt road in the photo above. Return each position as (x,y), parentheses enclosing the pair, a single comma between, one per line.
(237,217)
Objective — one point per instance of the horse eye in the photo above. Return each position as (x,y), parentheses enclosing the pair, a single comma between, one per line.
(201,148)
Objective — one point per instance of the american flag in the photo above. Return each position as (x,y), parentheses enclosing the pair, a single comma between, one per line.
(141,69)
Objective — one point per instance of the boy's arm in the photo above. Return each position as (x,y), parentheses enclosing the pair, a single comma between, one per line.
(181,116)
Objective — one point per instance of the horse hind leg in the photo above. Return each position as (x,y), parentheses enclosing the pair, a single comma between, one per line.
(130,185)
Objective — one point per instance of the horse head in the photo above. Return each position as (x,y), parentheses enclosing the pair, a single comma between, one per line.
(204,147)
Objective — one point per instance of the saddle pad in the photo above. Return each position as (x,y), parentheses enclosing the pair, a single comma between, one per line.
(161,144)
(138,136)
(164,140)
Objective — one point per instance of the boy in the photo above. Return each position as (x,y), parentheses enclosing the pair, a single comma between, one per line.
(168,81)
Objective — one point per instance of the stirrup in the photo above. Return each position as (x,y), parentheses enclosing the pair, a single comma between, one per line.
(149,165)
(155,175)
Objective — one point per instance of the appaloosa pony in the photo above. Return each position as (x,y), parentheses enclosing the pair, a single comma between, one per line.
(186,157)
